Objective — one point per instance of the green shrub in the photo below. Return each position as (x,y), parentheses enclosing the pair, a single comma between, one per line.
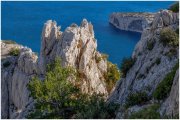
(126,64)
(150,112)
(9,42)
(177,31)
(102,57)
(164,87)
(6,64)
(56,97)
(136,98)
(141,76)
(96,108)
(98,59)
(172,52)
(169,37)
(150,45)
(175,7)
(14,52)
(158,61)
(112,76)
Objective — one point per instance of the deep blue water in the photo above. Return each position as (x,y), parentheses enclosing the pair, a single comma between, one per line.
(23,22)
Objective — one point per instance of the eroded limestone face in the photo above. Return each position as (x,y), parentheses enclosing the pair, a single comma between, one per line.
(76,47)
(146,73)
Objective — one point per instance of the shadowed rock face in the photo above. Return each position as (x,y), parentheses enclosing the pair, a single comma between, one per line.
(136,24)
(76,46)
(146,74)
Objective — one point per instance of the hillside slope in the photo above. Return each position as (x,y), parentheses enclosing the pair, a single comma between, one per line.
(153,62)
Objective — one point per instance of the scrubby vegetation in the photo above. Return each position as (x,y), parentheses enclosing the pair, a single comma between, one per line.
(126,64)
(150,45)
(6,64)
(136,98)
(58,97)
(140,76)
(177,31)
(14,52)
(174,7)
(147,113)
(169,37)
(102,57)
(112,76)
(95,108)
(158,61)
(172,52)
(9,42)
(164,87)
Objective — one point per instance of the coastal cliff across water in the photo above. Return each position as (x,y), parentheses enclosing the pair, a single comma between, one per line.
(149,83)
(136,22)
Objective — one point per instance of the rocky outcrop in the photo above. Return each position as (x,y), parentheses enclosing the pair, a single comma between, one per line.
(16,73)
(147,73)
(131,21)
(76,47)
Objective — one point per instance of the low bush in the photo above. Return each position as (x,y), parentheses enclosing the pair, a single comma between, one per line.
(96,108)
(136,98)
(150,112)
(177,31)
(14,52)
(9,42)
(164,87)
(57,98)
(169,37)
(158,61)
(126,64)
(112,76)
(98,59)
(6,64)
(140,76)
(150,45)
(174,7)
(102,57)
(172,52)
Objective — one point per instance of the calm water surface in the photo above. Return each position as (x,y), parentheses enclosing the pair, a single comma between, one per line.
(23,22)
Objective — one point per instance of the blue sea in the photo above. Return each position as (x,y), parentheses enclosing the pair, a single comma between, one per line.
(23,22)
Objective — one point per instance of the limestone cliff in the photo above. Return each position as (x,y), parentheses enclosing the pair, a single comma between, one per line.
(76,46)
(150,67)
(131,21)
